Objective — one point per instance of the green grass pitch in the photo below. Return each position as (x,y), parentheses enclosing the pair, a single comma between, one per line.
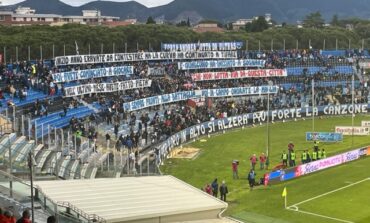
(265,204)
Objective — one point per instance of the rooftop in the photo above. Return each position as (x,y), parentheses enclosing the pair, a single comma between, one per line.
(134,198)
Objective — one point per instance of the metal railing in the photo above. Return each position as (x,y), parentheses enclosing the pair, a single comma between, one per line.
(89,217)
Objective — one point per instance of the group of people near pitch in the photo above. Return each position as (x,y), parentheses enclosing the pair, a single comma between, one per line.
(306,156)
(288,160)
(214,188)
(264,163)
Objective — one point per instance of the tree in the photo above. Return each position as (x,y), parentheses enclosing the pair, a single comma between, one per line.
(188,22)
(257,25)
(313,20)
(335,20)
(182,24)
(150,20)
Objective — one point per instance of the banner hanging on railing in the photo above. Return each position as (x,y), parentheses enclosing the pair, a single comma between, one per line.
(217,46)
(349,130)
(324,136)
(92,73)
(156,71)
(207,76)
(217,64)
(185,95)
(143,56)
(106,87)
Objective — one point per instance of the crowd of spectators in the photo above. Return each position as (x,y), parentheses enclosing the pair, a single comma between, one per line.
(294,91)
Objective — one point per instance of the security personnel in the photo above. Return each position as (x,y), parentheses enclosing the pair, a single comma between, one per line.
(323,153)
(314,156)
(33,69)
(284,157)
(316,145)
(319,155)
(292,158)
(304,157)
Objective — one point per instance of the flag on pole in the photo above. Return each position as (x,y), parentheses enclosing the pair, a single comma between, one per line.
(77,51)
(284,192)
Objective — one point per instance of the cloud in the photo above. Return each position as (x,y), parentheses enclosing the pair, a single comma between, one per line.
(148,3)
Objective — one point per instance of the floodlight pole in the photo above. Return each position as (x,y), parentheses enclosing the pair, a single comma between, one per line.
(268,119)
(10,168)
(30,165)
(313,105)
(353,106)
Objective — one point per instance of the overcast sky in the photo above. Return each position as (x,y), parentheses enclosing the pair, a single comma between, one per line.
(148,3)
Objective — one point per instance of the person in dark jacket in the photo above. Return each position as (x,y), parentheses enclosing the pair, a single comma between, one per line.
(223,191)
(25,217)
(214,186)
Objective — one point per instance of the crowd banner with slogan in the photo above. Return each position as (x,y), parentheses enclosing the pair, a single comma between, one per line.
(216,64)
(156,71)
(324,136)
(92,73)
(207,76)
(143,56)
(239,121)
(365,123)
(216,46)
(347,130)
(106,87)
(185,95)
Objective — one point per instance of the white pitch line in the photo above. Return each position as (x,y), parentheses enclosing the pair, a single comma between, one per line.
(330,192)
(322,216)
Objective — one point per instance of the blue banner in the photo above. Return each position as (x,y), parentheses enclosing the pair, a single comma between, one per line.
(217,46)
(185,95)
(324,136)
(216,64)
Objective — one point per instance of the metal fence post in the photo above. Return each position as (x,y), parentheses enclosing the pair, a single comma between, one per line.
(23,131)
(49,142)
(29,129)
(42,134)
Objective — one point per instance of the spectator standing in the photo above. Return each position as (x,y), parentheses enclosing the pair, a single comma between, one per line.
(235,169)
(9,217)
(116,129)
(223,191)
(214,188)
(107,139)
(253,160)
(51,219)
(2,216)
(262,161)
(251,179)
(208,189)
(25,217)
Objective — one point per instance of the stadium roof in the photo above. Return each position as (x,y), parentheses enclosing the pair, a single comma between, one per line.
(135,198)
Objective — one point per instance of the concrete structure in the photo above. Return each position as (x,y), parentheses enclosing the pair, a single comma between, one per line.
(136,199)
(28,16)
(241,23)
(207,27)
